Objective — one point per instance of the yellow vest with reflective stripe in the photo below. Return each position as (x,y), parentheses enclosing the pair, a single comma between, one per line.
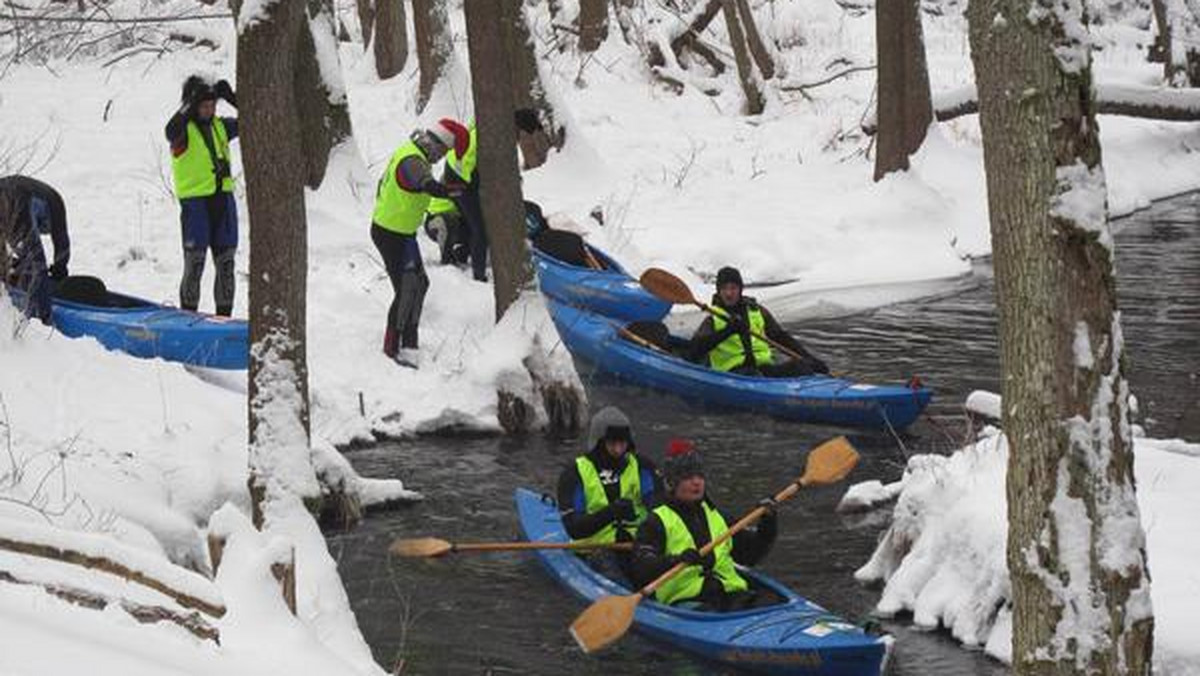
(397,209)
(464,168)
(730,353)
(194,171)
(595,499)
(688,583)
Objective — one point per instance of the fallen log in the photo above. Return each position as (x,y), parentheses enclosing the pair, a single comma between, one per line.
(1150,103)
(146,614)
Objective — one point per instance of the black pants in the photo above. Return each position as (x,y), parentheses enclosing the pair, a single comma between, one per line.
(402,260)
(477,240)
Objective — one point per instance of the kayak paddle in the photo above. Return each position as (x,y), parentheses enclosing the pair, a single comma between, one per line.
(607,620)
(434,547)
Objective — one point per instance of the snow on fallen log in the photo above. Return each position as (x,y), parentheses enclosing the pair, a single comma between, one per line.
(1151,103)
(984,404)
(865,496)
(187,588)
(146,614)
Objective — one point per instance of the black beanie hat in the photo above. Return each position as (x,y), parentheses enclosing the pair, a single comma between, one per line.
(196,88)
(728,275)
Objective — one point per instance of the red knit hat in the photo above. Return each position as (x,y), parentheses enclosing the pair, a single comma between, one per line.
(682,460)
(458,137)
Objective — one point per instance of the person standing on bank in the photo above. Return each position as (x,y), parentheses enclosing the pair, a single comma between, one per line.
(401,199)
(204,186)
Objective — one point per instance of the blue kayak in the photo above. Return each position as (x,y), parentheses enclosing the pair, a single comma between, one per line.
(611,291)
(792,636)
(148,330)
(814,399)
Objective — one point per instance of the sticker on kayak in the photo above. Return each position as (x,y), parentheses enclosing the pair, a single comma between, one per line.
(862,387)
(820,629)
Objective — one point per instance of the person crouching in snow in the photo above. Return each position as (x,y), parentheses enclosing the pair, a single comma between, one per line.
(28,210)
(204,186)
(403,195)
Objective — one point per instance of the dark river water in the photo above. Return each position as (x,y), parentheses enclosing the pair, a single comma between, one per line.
(499,614)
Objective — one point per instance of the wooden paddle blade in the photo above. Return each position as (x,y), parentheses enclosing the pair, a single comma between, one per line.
(420,547)
(667,286)
(829,462)
(604,622)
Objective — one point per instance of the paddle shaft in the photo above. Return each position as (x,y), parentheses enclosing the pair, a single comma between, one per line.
(640,340)
(520,546)
(591,258)
(754,515)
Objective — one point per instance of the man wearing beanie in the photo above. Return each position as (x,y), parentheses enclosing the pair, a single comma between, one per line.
(675,531)
(200,166)
(726,341)
(403,195)
(604,494)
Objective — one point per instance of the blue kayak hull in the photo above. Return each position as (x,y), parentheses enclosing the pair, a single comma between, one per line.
(794,636)
(610,292)
(148,330)
(814,399)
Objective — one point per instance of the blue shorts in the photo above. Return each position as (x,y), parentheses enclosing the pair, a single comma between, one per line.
(209,222)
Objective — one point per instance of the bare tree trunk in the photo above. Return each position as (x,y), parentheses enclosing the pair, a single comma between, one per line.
(490,26)
(275,169)
(754,97)
(528,91)
(905,111)
(1076,549)
(391,38)
(366,20)
(593,24)
(323,108)
(1160,50)
(758,49)
(1179,37)
(435,45)
(7,216)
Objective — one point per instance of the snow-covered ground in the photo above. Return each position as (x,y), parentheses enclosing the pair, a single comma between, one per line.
(147,453)
(943,558)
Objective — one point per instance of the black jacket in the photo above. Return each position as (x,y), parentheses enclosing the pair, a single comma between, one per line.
(572,502)
(649,550)
(707,337)
(16,193)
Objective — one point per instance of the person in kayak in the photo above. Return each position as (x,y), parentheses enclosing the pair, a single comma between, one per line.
(200,165)
(675,531)
(727,343)
(604,494)
(29,209)
(403,195)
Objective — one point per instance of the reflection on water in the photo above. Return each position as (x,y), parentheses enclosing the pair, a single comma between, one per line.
(497,613)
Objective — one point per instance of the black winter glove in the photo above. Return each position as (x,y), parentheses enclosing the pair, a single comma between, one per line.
(58,271)
(224,91)
(690,556)
(770,505)
(735,322)
(622,510)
